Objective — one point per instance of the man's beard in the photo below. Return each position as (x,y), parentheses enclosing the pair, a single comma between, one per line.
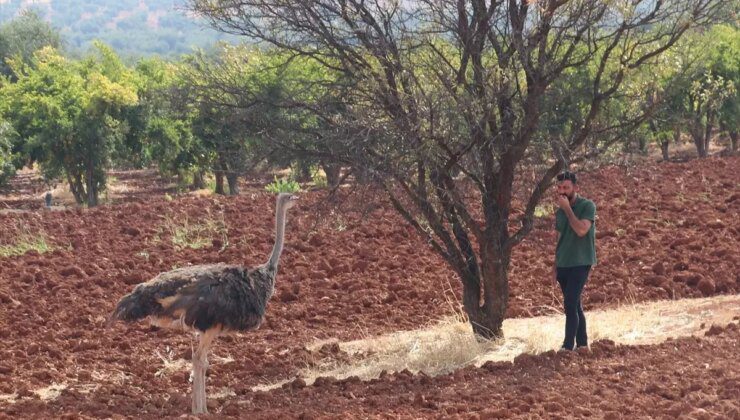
(571,196)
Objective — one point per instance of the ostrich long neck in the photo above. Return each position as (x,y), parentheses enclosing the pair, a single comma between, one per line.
(272,264)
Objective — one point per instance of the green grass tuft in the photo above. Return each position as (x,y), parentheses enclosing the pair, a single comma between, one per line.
(24,243)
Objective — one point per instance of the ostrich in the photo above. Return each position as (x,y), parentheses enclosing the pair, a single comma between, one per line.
(208,299)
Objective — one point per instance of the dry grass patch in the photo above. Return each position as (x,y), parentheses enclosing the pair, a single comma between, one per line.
(51,392)
(9,398)
(61,195)
(203,192)
(115,189)
(115,377)
(170,364)
(449,344)
(222,393)
(183,233)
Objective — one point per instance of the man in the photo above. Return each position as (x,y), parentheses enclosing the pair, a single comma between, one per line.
(574,256)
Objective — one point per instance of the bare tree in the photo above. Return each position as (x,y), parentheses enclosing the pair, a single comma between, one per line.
(436,91)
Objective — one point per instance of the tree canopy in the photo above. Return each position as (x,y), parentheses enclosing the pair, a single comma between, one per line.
(24,35)
(69,114)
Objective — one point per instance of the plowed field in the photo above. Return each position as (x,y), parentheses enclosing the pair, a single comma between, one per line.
(665,231)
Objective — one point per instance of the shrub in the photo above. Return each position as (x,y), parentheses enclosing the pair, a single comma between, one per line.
(283,185)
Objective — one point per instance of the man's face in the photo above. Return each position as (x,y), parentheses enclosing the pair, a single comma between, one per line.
(567,189)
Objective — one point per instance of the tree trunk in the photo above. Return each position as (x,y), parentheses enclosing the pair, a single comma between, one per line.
(487,317)
(664,149)
(333,173)
(92,195)
(700,147)
(696,129)
(198,182)
(676,134)
(698,138)
(733,140)
(92,186)
(219,182)
(78,190)
(304,171)
(233,179)
(708,132)
(362,176)
(642,144)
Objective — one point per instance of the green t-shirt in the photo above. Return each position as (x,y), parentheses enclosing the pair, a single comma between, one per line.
(573,250)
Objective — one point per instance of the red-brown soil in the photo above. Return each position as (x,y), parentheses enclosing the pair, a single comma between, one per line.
(664,231)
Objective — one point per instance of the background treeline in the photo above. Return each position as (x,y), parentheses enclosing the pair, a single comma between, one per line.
(224,112)
(134,28)
(203,114)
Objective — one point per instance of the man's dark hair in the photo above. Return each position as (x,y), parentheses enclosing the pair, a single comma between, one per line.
(567,175)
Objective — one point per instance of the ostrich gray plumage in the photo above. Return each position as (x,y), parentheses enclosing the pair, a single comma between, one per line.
(210,299)
(229,297)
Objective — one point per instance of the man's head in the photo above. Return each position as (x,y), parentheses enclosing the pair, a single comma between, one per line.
(567,184)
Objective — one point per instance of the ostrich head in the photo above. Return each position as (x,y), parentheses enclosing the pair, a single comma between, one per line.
(286,201)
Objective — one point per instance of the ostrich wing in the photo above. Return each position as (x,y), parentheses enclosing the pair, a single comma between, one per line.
(200,297)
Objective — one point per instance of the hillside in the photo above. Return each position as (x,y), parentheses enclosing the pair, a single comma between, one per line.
(132,27)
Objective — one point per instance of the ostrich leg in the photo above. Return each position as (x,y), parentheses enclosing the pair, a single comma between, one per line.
(199,382)
(200,365)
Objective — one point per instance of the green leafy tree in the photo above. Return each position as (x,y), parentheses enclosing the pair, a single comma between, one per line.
(161,130)
(7,157)
(695,86)
(665,87)
(706,97)
(233,89)
(69,112)
(724,61)
(22,36)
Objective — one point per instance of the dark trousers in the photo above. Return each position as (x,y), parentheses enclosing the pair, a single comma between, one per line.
(572,280)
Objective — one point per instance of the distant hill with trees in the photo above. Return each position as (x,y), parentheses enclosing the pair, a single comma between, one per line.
(131,27)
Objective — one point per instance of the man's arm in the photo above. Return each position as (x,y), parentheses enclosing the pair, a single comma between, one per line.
(579,226)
